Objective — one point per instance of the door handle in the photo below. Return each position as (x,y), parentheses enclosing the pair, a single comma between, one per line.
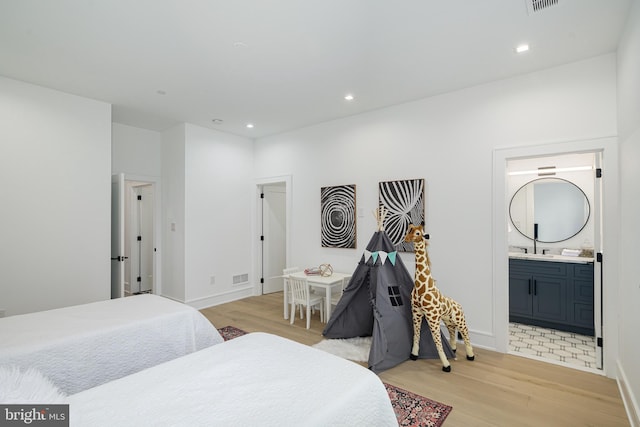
(529,286)
(535,287)
(119,258)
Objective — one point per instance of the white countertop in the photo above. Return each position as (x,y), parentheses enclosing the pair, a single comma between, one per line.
(550,257)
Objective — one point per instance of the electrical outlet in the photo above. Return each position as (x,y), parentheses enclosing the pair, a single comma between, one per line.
(212,280)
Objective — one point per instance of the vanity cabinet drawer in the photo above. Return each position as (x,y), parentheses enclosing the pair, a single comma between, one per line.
(540,268)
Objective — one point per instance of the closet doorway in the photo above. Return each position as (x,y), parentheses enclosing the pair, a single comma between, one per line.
(273,223)
(135,235)
(139,238)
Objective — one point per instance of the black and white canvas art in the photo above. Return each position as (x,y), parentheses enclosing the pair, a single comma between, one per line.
(338,216)
(404,202)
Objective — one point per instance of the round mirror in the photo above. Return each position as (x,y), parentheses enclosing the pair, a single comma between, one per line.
(553,207)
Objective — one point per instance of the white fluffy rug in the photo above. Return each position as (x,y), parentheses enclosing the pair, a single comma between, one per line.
(356,349)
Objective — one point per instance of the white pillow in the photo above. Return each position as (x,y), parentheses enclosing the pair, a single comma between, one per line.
(28,386)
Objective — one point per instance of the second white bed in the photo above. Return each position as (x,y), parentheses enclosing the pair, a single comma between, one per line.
(257,379)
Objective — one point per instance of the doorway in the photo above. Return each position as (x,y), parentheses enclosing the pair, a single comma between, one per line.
(273,219)
(139,238)
(554,329)
(608,231)
(135,235)
(274,236)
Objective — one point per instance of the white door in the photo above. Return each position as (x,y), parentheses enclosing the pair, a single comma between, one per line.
(274,220)
(117,236)
(141,239)
(597,270)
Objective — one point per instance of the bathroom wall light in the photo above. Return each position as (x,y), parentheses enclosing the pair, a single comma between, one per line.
(550,170)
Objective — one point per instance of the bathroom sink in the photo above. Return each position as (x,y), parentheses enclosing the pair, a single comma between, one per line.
(549,257)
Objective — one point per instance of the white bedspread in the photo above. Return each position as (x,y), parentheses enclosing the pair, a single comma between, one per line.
(254,380)
(83,346)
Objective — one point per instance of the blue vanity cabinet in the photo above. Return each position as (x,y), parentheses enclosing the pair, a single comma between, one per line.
(520,296)
(556,295)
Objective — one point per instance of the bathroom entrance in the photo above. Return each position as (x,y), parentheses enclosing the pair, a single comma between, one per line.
(554,236)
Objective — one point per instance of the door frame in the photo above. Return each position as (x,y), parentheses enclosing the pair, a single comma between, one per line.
(609,244)
(257,225)
(133,220)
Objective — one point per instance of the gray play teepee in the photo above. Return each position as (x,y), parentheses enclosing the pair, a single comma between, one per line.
(377,303)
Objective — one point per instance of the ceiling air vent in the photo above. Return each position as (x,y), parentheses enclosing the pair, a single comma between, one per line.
(534,6)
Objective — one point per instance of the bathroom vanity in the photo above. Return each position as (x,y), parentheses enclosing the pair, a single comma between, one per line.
(552,291)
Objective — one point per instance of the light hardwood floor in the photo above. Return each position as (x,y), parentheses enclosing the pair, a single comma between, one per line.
(494,390)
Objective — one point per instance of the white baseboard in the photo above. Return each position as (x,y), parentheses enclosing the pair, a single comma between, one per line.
(628,398)
(210,301)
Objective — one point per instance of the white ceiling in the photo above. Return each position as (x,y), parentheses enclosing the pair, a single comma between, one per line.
(285,64)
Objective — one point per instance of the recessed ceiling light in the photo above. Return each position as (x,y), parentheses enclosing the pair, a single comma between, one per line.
(161,92)
(522,48)
(349,97)
(217,121)
(249,125)
(240,45)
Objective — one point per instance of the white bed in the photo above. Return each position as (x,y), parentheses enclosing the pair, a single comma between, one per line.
(83,346)
(254,380)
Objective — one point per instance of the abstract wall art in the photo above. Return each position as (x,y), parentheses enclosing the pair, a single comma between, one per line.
(338,216)
(404,202)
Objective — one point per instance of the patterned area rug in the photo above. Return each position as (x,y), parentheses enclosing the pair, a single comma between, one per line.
(411,409)
(414,410)
(230,332)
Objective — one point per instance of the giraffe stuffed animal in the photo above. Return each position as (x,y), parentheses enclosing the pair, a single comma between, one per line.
(428,301)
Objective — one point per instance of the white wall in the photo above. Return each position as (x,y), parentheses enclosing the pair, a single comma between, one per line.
(218,196)
(173,207)
(55,169)
(207,197)
(136,151)
(448,140)
(629,125)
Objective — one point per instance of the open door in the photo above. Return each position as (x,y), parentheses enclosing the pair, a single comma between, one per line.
(597,267)
(274,236)
(117,236)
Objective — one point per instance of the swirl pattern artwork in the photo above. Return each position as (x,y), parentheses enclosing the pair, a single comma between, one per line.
(404,201)
(338,216)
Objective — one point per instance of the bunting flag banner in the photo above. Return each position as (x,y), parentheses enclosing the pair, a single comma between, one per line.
(392,257)
(383,257)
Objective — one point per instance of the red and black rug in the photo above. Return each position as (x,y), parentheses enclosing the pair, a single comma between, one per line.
(411,409)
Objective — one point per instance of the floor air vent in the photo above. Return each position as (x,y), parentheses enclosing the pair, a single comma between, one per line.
(534,6)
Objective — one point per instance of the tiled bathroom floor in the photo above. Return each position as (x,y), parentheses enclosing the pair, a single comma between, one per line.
(554,345)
